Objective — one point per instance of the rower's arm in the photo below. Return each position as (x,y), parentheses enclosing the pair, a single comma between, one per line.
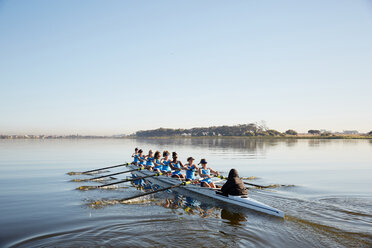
(214,172)
(183,167)
(201,174)
(171,165)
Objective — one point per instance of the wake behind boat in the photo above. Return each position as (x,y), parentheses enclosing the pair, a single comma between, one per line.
(240,201)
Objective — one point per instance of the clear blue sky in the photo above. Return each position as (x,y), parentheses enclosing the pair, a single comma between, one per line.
(111,67)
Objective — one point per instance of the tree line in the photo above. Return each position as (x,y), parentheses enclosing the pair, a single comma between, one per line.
(251,129)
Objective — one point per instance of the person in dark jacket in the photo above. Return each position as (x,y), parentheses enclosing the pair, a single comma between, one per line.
(234,185)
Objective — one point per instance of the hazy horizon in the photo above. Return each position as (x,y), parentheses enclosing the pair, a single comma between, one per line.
(105,68)
(129,133)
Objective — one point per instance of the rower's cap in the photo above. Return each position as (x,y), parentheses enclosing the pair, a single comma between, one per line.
(203,161)
(190,158)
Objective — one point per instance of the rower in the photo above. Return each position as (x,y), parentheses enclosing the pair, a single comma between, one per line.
(234,185)
(177,166)
(205,173)
(166,163)
(141,158)
(157,162)
(190,169)
(150,160)
(135,156)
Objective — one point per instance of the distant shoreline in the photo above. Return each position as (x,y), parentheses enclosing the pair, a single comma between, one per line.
(261,137)
(299,136)
(241,131)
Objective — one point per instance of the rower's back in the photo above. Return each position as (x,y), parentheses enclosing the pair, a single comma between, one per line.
(234,185)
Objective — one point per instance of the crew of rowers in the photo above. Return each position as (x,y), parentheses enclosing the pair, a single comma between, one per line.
(155,162)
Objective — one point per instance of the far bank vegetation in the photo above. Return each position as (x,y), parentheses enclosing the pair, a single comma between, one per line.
(248,130)
(242,130)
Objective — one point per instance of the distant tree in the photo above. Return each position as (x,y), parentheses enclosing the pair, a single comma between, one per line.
(273,132)
(249,133)
(261,133)
(326,134)
(314,131)
(291,132)
(370,133)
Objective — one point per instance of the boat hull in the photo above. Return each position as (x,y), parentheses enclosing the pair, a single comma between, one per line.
(241,201)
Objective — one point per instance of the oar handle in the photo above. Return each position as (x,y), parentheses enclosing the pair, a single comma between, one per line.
(256,185)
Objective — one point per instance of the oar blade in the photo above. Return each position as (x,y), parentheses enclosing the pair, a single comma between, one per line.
(72,173)
(86,187)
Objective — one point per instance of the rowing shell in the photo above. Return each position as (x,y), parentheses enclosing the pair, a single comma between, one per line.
(242,201)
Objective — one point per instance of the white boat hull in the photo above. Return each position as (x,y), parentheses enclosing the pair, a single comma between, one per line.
(241,201)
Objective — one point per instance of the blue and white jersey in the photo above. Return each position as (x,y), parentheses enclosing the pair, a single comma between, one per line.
(166,166)
(206,172)
(190,172)
(177,166)
(143,159)
(149,161)
(135,158)
(158,166)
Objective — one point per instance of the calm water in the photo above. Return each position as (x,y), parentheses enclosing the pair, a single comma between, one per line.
(327,197)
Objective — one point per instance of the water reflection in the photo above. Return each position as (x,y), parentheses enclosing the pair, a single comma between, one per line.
(316,142)
(233,218)
(242,144)
(291,142)
(190,206)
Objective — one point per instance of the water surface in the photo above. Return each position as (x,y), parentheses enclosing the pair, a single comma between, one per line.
(327,195)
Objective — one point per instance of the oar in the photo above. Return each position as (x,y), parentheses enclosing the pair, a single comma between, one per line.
(109,175)
(252,184)
(122,181)
(85,172)
(155,191)
(256,185)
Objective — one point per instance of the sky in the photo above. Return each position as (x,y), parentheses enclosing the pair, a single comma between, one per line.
(115,67)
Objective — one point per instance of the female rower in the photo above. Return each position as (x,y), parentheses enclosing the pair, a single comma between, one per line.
(166,163)
(150,160)
(190,169)
(205,173)
(177,166)
(141,158)
(135,156)
(157,162)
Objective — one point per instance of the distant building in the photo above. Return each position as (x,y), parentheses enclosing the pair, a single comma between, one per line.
(350,132)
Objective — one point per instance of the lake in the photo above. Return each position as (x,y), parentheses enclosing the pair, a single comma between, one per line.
(323,186)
